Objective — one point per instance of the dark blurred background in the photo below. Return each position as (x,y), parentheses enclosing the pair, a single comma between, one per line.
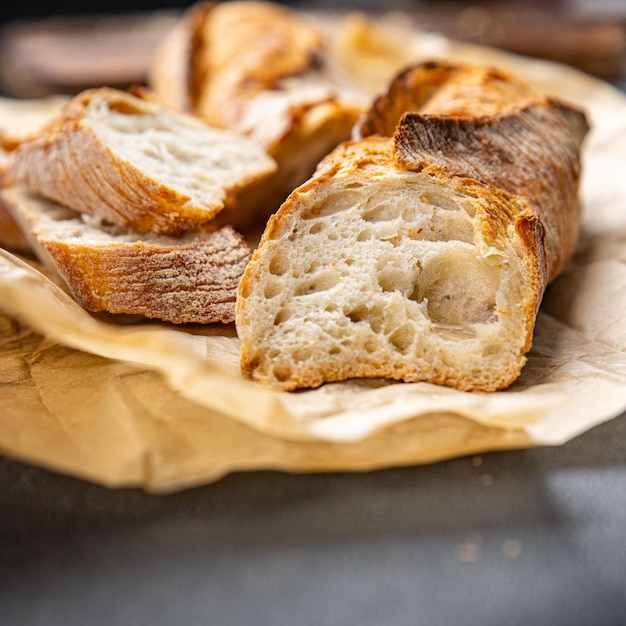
(42,8)
(64,46)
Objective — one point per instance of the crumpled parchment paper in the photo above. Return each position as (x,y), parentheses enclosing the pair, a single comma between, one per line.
(145,404)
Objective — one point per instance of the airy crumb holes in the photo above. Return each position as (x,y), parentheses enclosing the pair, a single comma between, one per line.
(278,265)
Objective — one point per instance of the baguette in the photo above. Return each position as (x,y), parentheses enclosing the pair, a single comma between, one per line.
(420,250)
(187,279)
(133,163)
(264,71)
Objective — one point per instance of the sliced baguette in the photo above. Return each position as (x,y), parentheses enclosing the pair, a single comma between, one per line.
(262,70)
(191,278)
(134,163)
(423,256)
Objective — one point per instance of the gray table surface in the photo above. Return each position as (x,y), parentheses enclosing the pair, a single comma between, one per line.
(528,537)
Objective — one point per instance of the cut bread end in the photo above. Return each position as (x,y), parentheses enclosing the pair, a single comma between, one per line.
(379,272)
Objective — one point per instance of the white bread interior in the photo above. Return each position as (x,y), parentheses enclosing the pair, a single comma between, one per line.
(386,274)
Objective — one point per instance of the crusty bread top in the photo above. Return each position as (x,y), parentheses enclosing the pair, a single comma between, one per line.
(134,163)
(231,52)
(443,88)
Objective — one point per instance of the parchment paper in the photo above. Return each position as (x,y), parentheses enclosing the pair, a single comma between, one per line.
(123,403)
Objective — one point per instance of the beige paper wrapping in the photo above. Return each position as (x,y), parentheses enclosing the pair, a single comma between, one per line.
(164,408)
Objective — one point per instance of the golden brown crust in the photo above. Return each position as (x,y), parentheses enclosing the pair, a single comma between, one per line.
(241,49)
(222,55)
(441,88)
(192,283)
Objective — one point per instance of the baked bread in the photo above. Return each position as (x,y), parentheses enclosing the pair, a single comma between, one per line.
(261,70)
(18,120)
(190,278)
(420,251)
(133,163)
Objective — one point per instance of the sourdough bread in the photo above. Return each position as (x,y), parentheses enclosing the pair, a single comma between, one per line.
(420,251)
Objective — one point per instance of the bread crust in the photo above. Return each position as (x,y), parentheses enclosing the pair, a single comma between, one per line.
(542,174)
(441,88)
(247,48)
(519,166)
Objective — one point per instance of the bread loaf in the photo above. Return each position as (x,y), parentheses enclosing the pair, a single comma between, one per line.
(420,250)
(189,278)
(262,70)
(136,164)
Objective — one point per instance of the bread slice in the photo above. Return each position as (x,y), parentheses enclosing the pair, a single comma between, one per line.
(423,256)
(18,120)
(191,278)
(134,163)
(261,70)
